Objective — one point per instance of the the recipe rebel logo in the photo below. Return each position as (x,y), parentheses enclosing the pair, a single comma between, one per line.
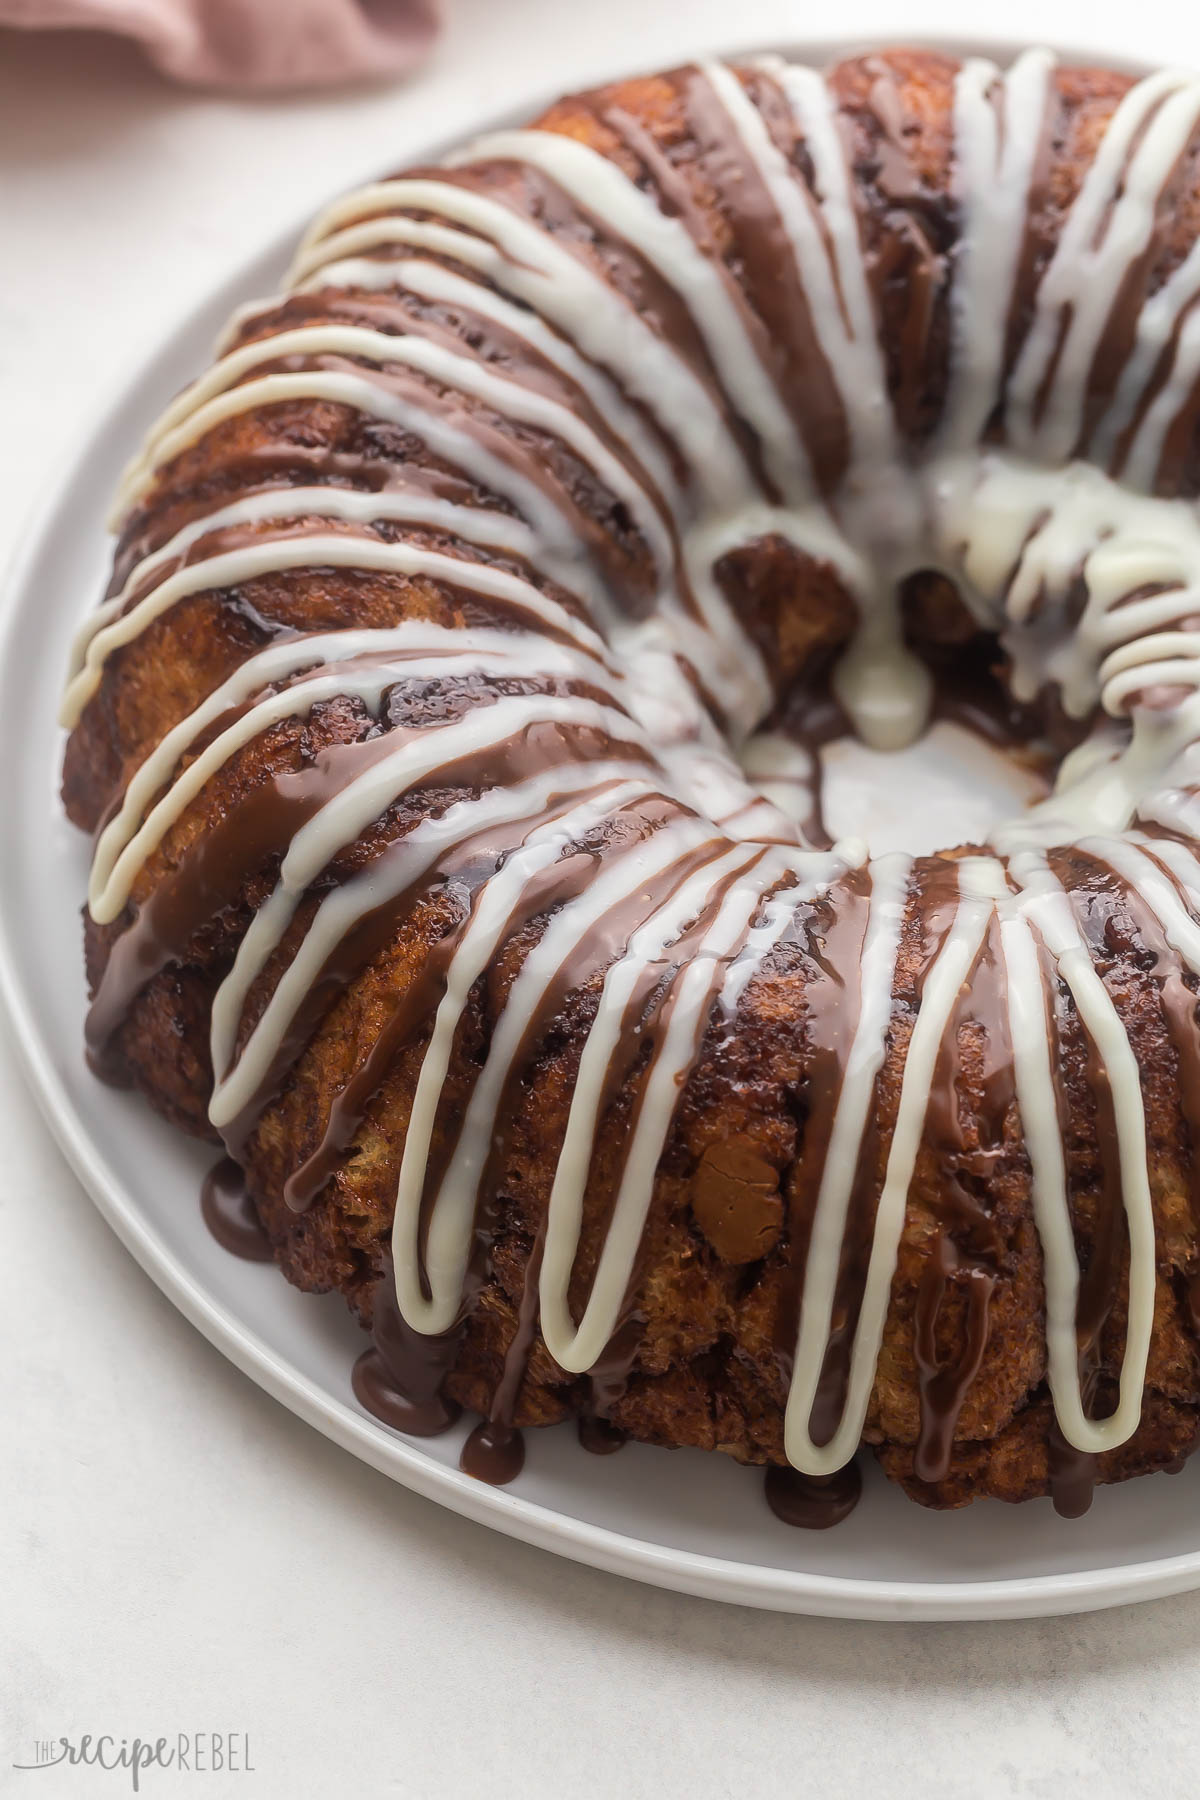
(187,1753)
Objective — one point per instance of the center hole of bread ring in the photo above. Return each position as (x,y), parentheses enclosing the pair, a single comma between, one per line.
(951,787)
(980,758)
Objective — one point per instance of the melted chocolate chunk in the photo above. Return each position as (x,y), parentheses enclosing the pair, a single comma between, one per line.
(736,1201)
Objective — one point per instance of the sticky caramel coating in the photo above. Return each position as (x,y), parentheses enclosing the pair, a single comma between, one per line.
(712,1365)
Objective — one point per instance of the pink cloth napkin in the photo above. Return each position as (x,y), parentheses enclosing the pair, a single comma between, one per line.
(253,43)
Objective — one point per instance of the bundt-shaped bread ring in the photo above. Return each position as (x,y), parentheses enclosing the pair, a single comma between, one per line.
(449,736)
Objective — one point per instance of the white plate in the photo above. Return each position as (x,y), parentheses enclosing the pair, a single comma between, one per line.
(682,1520)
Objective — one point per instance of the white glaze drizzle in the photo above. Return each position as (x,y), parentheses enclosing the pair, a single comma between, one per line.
(578,1344)
(241,1078)
(881,945)
(407,652)
(433,281)
(273,556)
(668,247)
(559,287)
(1163,315)
(835,287)
(342,820)
(998,121)
(219,395)
(1044,905)
(885,690)
(452,1220)
(473,524)
(1107,229)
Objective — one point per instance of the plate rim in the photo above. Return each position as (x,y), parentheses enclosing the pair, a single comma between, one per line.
(641,1559)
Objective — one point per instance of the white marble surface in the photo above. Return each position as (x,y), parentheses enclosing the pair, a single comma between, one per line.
(177,1553)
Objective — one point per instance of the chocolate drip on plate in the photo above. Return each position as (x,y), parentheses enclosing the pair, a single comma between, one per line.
(400,1378)
(231,1215)
(495,1450)
(813,1502)
(493,1453)
(107,1068)
(598,1437)
(1072,1476)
